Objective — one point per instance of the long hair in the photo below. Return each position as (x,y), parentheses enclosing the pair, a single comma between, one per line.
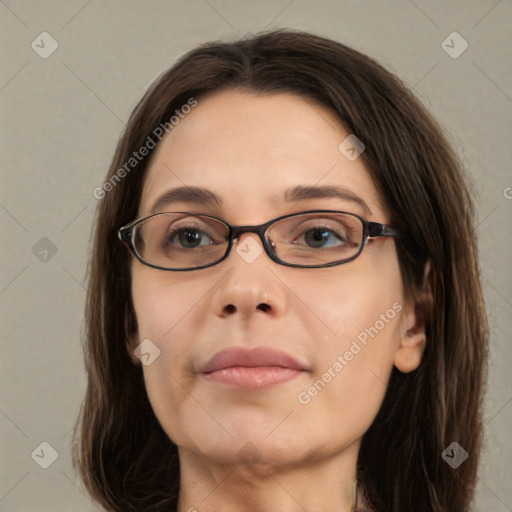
(124,457)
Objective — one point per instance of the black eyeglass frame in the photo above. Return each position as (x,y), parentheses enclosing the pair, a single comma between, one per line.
(370,230)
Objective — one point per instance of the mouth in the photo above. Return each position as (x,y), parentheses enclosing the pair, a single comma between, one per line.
(257,368)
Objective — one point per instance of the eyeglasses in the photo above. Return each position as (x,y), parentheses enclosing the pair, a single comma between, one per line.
(182,241)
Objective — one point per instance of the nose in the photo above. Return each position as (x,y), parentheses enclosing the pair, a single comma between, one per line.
(250,287)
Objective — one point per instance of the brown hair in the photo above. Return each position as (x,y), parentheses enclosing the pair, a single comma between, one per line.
(126,460)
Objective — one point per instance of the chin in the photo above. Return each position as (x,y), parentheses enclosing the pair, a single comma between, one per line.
(248,443)
(252,452)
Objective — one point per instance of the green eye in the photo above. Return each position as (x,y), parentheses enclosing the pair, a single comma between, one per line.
(187,238)
(319,237)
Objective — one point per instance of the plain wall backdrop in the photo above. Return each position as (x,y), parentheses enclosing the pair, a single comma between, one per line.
(63,109)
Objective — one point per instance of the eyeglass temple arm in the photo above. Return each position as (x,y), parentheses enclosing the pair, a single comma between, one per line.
(376,229)
(415,251)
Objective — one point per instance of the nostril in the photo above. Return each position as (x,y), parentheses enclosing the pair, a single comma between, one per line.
(230,308)
(263,306)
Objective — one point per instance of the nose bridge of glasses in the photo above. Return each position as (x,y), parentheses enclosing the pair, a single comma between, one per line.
(258,230)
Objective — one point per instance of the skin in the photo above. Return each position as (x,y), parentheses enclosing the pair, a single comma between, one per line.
(246,148)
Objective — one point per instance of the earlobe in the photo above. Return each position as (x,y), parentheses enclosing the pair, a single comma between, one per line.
(130,347)
(410,351)
(414,338)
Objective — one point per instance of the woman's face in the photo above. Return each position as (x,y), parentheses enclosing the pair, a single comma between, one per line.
(344,326)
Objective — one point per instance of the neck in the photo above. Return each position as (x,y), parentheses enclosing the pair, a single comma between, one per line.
(321,485)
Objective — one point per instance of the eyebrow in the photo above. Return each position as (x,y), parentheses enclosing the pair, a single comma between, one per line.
(186,195)
(204,196)
(301,193)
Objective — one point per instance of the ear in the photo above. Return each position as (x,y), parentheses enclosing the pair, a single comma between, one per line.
(132,344)
(413,340)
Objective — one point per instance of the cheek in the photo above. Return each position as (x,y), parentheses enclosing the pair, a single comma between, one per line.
(350,377)
(363,299)
(164,310)
(353,363)
(161,303)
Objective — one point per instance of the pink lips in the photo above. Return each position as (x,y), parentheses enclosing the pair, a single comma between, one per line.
(252,368)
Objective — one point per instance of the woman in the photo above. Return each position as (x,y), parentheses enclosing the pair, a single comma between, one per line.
(284,308)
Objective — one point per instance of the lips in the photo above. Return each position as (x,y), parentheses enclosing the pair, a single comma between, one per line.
(251,358)
(255,368)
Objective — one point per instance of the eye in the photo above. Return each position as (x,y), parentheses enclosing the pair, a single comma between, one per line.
(191,233)
(321,236)
(321,233)
(189,237)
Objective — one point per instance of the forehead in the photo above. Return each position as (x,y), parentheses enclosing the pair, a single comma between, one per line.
(249,150)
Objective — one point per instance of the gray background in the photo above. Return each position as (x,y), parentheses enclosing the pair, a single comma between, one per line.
(61,119)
